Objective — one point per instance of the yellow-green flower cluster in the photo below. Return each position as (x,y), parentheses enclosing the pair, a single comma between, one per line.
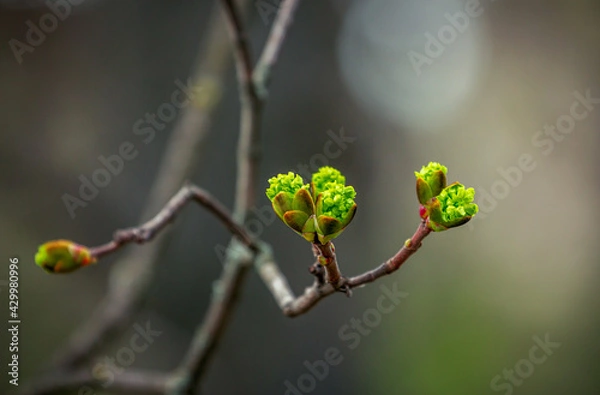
(327,175)
(456,202)
(288,183)
(442,206)
(318,212)
(338,200)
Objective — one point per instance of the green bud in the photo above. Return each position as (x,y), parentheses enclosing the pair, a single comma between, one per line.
(296,220)
(282,203)
(63,256)
(452,207)
(433,176)
(309,231)
(424,193)
(317,222)
(282,192)
(303,202)
(329,228)
(335,206)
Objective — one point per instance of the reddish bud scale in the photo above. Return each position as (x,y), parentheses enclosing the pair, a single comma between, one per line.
(80,254)
(423,211)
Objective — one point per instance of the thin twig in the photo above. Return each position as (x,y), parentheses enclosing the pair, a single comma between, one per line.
(268,58)
(328,260)
(293,306)
(411,246)
(146,232)
(241,52)
(249,136)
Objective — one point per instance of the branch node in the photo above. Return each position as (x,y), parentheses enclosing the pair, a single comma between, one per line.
(317,270)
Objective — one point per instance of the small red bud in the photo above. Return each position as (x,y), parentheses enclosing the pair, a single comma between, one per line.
(423,211)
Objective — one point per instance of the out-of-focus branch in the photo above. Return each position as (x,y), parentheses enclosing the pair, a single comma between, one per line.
(248,152)
(129,382)
(237,263)
(187,377)
(263,69)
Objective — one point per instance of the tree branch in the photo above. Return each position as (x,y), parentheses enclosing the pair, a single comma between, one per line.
(293,306)
(248,151)
(327,258)
(262,72)
(186,378)
(146,232)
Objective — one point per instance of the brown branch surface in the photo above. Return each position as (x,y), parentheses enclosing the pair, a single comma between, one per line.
(146,232)
(293,306)
(328,259)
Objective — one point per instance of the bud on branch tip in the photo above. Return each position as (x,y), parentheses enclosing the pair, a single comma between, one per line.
(443,207)
(318,211)
(63,256)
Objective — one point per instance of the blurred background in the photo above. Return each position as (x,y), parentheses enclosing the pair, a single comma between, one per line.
(495,90)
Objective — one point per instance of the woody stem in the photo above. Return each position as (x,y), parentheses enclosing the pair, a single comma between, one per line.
(328,259)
